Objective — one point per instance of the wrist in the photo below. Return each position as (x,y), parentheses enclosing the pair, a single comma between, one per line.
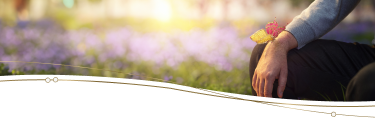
(286,41)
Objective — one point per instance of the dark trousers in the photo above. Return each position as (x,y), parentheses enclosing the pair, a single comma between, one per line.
(327,70)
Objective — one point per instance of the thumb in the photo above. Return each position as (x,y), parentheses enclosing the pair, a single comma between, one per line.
(282,81)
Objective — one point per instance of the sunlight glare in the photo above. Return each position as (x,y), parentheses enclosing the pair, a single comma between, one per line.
(162,10)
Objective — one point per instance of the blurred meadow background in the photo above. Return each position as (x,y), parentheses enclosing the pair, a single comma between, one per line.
(198,43)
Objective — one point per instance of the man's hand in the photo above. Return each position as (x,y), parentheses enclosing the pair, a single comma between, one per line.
(273,65)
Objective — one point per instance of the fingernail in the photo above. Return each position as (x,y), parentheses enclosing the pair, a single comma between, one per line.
(281,93)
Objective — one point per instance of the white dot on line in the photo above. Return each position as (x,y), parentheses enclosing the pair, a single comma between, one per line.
(333,114)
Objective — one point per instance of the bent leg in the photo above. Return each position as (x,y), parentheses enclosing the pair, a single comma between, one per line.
(321,69)
(362,86)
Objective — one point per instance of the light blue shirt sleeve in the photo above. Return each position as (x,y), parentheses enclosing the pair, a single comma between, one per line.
(318,19)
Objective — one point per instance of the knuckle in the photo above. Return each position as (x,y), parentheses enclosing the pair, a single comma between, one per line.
(268,75)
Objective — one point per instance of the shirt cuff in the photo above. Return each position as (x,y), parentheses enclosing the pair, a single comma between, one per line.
(301,31)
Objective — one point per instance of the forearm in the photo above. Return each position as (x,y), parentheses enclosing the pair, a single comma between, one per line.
(319,18)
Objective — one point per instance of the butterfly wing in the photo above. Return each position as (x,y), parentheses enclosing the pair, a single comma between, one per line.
(261,36)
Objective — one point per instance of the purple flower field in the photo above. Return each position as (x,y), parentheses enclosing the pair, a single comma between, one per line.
(219,47)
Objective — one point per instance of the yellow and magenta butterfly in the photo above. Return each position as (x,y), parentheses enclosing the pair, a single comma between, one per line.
(263,36)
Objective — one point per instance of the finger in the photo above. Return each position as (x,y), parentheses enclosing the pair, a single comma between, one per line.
(261,87)
(254,82)
(257,85)
(282,82)
(268,87)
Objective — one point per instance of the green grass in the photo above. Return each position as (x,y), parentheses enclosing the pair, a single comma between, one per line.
(191,73)
(327,98)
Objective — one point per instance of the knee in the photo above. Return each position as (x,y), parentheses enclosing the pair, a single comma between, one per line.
(365,78)
(257,53)
(362,85)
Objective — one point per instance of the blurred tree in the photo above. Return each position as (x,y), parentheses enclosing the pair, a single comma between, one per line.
(21,9)
(244,5)
(298,3)
(95,1)
(203,7)
(267,5)
(226,9)
(363,11)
